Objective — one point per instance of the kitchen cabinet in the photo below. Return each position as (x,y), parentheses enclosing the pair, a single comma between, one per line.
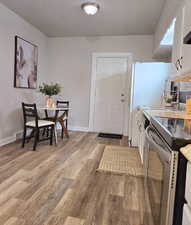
(186,215)
(141,127)
(187,207)
(137,117)
(188,185)
(186,50)
(139,132)
(181,51)
(177,49)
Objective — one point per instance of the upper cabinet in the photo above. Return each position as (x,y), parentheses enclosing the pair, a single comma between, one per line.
(187,28)
(181,53)
(178,49)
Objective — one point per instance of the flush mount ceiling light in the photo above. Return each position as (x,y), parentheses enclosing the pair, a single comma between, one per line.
(90,8)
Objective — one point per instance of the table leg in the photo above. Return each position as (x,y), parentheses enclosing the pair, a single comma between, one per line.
(66,132)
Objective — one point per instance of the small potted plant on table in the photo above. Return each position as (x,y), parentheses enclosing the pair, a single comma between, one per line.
(50,90)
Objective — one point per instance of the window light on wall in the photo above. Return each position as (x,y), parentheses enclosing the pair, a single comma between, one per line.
(168,38)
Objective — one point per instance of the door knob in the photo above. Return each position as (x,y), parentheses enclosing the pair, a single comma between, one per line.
(122,95)
(122,100)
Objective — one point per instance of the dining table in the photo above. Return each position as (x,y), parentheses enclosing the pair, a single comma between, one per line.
(55,111)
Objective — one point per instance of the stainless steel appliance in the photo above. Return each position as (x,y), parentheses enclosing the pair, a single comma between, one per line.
(161,176)
(166,170)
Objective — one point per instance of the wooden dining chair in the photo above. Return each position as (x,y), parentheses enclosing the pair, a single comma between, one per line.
(32,121)
(63,119)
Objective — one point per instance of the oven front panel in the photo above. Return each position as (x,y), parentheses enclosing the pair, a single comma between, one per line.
(155,180)
(160,180)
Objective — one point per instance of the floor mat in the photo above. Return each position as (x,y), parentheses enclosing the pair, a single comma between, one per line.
(121,160)
(113,136)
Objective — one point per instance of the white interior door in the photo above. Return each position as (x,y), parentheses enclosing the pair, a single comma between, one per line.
(110,96)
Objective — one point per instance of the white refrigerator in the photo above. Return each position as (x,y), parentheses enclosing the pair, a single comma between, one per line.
(148,83)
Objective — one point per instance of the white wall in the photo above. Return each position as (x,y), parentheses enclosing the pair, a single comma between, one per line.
(149,84)
(70,65)
(63,60)
(11,98)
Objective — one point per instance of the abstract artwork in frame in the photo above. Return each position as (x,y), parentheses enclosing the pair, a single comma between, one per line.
(26,59)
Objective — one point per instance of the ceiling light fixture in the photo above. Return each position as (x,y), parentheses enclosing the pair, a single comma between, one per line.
(90,8)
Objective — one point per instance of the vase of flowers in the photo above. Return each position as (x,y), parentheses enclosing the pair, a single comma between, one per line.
(50,90)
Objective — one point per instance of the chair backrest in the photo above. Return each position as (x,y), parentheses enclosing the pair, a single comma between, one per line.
(62,104)
(30,113)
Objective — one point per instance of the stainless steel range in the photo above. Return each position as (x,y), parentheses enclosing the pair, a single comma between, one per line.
(165,171)
(161,179)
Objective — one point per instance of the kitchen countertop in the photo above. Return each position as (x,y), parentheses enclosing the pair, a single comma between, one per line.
(166,113)
(177,125)
(175,131)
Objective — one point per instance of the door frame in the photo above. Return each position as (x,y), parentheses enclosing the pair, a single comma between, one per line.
(128,85)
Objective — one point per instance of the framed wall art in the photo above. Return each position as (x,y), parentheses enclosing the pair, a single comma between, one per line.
(26,60)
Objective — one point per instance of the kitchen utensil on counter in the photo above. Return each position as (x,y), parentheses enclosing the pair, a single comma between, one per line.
(188,104)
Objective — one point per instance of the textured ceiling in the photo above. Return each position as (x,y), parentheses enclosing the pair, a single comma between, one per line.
(60,18)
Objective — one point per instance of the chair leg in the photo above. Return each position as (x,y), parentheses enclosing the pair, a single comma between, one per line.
(62,125)
(51,134)
(24,137)
(55,135)
(66,123)
(44,131)
(36,139)
(62,132)
(47,132)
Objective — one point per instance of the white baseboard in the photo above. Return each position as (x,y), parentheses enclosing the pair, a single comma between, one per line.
(18,135)
(84,129)
(7,140)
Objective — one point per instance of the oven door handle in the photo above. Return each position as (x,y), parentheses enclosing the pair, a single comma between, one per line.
(164,154)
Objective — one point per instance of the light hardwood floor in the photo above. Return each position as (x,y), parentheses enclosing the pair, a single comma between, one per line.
(60,185)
